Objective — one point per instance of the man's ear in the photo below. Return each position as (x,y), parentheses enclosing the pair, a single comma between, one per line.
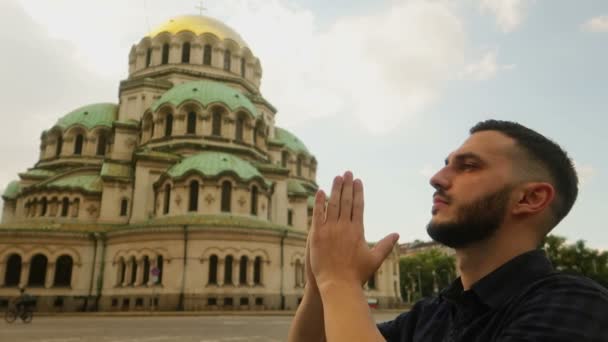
(532,198)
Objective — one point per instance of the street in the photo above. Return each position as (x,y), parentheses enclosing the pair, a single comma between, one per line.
(153,329)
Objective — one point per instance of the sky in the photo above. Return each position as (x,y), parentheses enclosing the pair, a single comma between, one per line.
(385,88)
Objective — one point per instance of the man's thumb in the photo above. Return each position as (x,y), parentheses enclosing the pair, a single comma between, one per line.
(383,248)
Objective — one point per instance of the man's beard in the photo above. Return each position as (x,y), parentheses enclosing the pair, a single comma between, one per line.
(474,222)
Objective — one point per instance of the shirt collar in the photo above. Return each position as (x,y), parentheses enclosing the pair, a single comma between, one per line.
(506,281)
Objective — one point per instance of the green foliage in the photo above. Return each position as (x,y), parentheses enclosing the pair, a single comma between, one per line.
(577,258)
(421,266)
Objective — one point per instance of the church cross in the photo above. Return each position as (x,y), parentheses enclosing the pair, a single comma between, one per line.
(200,8)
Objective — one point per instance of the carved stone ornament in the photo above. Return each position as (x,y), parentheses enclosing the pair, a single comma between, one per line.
(92,209)
(242,201)
(178,199)
(130,142)
(209,198)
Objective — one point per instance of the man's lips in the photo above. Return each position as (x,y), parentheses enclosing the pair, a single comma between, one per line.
(439,200)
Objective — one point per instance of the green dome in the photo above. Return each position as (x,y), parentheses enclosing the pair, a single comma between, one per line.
(290,141)
(94,115)
(213,164)
(12,190)
(206,92)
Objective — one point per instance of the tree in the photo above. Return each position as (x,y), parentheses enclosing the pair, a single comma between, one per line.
(432,268)
(577,258)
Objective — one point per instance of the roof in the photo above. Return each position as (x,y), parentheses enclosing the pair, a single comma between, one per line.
(206,92)
(12,190)
(198,24)
(296,187)
(88,183)
(38,173)
(290,141)
(212,164)
(90,116)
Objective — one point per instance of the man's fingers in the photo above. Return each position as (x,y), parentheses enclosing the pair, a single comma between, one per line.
(358,202)
(333,207)
(318,212)
(346,200)
(383,248)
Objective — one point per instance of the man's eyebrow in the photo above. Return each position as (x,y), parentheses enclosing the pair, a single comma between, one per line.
(465,156)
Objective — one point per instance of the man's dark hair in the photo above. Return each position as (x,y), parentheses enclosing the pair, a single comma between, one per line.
(548,154)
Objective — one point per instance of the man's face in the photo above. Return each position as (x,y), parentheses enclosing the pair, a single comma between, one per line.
(473,190)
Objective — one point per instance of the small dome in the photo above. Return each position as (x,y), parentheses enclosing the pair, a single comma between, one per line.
(12,190)
(206,92)
(290,141)
(94,115)
(212,164)
(198,24)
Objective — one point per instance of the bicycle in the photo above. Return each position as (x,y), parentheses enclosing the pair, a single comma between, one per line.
(26,314)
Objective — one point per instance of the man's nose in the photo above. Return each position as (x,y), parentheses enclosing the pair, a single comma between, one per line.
(440,180)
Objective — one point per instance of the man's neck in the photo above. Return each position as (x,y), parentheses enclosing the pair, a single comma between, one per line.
(478,260)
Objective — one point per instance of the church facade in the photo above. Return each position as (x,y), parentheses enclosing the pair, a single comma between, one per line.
(182,196)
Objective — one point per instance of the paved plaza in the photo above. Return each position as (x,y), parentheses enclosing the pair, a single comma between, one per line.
(153,329)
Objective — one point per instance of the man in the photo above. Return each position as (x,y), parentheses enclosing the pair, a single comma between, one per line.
(22,301)
(496,198)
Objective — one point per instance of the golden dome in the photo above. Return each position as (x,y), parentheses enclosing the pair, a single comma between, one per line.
(198,24)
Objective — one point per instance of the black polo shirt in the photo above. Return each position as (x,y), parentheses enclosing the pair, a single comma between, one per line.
(523,300)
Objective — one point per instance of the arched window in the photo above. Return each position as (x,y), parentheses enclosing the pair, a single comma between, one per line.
(63,271)
(13,270)
(159,265)
(186,53)
(371,283)
(243,270)
(299,167)
(254,200)
(217,123)
(165,54)
(152,129)
(284,158)
(122,270)
(213,269)
(240,122)
(146,270)
(148,57)
(37,275)
(290,217)
(255,135)
(169,125)
(243,67)
(226,196)
(228,270)
(167,199)
(65,206)
(124,207)
(194,188)
(101,145)
(207,55)
(44,206)
(78,144)
(58,146)
(257,270)
(191,127)
(227,60)
(133,271)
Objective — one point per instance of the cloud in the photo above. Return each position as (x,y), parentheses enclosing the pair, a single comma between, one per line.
(380,69)
(509,13)
(597,24)
(486,68)
(586,173)
(428,171)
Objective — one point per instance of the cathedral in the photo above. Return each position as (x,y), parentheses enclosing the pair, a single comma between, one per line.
(184,195)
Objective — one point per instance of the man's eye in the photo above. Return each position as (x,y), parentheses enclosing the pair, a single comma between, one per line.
(468,166)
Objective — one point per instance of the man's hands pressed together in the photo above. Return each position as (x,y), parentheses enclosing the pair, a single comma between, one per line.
(341,261)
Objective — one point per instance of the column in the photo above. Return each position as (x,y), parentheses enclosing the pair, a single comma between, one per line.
(129,267)
(196,53)
(25,272)
(152,266)
(220,272)
(50,275)
(139,277)
(250,272)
